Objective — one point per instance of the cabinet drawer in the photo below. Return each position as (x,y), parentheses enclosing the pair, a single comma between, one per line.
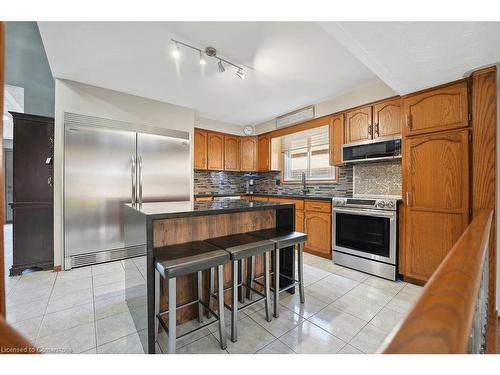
(203,199)
(254,198)
(318,206)
(299,204)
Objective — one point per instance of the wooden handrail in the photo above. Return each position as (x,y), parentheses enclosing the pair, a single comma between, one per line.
(442,318)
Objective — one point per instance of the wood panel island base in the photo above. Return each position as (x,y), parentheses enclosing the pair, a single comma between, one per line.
(155,225)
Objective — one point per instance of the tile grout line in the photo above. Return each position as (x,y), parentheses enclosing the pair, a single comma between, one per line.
(46,307)
(93,305)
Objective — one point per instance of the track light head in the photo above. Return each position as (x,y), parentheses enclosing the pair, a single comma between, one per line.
(176,53)
(221,67)
(202,59)
(240,73)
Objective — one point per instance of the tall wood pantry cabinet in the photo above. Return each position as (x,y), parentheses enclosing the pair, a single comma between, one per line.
(435,177)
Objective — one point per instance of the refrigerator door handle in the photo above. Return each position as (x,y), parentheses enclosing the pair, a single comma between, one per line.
(132,173)
(140,180)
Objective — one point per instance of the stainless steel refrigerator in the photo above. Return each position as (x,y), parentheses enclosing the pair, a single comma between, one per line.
(107,164)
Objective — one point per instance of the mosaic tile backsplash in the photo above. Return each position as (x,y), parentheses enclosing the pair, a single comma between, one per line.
(378,179)
(208,182)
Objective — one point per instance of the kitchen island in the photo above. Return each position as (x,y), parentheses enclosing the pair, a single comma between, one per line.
(155,225)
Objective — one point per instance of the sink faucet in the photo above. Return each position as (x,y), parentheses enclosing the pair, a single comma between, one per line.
(305,189)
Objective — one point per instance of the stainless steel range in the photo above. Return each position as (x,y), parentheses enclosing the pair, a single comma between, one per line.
(365,235)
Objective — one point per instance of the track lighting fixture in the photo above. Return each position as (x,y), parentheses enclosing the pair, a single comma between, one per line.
(240,74)
(208,52)
(202,59)
(176,53)
(221,67)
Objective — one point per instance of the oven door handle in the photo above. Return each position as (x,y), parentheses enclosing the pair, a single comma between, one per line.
(387,214)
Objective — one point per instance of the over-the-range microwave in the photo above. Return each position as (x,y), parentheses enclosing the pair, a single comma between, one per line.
(372,150)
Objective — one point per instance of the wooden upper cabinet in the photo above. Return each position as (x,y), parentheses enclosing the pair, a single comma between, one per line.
(264,153)
(436,187)
(231,153)
(358,124)
(248,152)
(200,149)
(387,118)
(336,133)
(215,151)
(444,108)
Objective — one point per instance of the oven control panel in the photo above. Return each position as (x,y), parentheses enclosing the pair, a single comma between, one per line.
(376,203)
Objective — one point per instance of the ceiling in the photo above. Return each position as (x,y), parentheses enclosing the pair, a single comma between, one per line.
(410,56)
(294,64)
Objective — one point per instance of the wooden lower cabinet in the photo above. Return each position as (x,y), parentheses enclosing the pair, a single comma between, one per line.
(436,198)
(318,226)
(198,199)
(299,220)
(265,199)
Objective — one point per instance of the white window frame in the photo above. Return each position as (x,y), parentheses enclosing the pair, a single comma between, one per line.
(286,169)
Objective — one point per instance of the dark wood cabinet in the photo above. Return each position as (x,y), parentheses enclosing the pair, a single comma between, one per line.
(32,206)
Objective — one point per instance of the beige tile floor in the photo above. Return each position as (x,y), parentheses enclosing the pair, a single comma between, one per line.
(84,311)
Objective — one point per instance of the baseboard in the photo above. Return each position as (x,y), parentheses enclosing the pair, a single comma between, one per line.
(412,280)
(19,269)
(317,253)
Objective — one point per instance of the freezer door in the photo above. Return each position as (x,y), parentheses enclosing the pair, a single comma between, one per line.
(97,182)
(164,170)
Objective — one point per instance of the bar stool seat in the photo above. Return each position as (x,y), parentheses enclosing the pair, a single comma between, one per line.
(240,247)
(184,259)
(282,238)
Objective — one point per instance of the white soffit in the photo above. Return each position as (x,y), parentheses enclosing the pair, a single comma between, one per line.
(294,64)
(410,56)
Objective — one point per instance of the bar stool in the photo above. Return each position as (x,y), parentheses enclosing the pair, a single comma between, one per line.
(240,247)
(282,238)
(183,259)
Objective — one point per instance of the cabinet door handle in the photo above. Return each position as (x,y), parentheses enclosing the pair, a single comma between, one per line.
(376,129)
(369,131)
(408,120)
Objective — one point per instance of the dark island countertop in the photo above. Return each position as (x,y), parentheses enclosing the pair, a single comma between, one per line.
(291,196)
(167,210)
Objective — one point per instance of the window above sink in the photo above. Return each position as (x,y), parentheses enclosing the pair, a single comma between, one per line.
(307,152)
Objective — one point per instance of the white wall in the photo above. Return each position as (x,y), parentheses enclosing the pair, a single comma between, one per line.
(219,126)
(366,94)
(95,101)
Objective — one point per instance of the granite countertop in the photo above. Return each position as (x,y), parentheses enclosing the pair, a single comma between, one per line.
(292,196)
(167,210)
